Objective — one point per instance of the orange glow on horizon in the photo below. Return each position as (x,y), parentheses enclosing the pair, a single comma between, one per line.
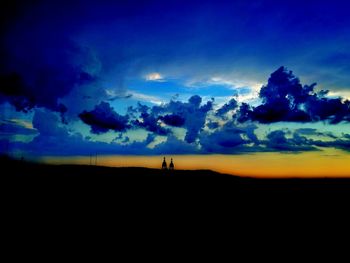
(330,163)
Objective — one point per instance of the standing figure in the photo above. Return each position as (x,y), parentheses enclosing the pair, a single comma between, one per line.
(164,165)
(171,165)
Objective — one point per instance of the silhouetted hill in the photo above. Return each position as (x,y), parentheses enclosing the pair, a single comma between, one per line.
(33,192)
(83,178)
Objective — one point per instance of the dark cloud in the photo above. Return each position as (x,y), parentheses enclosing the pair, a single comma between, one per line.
(229,139)
(74,144)
(213,125)
(150,123)
(193,113)
(54,139)
(338,144)
(173,120)
(310,131)
(332,110)
(118,97)
(148,119)
(190,115)
(103,118)
(285,99)
(231,105)
(244,113)
(222,141)
(174,145)
(43,70)
(277,140)
(41,60)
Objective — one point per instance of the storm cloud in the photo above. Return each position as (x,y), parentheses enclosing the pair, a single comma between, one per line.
(285,99)
(103,118)
(40,62)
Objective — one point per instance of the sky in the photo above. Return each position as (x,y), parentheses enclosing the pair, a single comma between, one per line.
(223,82)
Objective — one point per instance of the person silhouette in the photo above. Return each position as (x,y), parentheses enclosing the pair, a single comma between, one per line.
(164,165)
(171,165)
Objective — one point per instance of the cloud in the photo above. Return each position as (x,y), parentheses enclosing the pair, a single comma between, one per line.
(148,120)
(144,97)
(47,124)
(175,146)
(54,139)
(307,131)
(229,139)
(277,140)
(310,131)
(213,125)
(285,99)
(222,141)
(339,144)
(155,76)
(43,70)
(231,105)
(193,113)
(151,123)
(103,118)
(10,127)
(190,115)
(173,120)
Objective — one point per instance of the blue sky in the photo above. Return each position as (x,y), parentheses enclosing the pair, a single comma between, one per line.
(150,77)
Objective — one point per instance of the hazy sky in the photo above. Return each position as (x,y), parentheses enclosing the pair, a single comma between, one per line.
(229,78)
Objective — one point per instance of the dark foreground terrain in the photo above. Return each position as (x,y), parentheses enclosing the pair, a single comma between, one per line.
(23,178)
(80,197)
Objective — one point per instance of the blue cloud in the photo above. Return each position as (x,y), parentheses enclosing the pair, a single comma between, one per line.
(231,105)
(339,144)
(175,146)
(190,115)
(277,140)
(310,131)
(213,125)
(103,118)
(193,113)
(230,139)
(148,120)
(285,99)
(173,120)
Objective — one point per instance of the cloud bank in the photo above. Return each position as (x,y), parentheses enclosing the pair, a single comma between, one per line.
(206,130)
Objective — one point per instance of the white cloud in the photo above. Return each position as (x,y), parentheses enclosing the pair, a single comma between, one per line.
(235,83)
(340,93)
(155,76)
(145,97)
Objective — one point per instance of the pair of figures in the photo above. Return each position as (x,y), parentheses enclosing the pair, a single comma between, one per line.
(165,166)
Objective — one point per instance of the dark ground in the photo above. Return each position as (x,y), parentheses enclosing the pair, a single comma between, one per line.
(63,199)
(24,178)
